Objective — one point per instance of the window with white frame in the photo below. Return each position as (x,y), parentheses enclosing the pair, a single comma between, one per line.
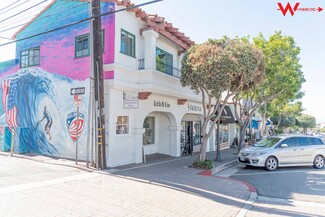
(122,125)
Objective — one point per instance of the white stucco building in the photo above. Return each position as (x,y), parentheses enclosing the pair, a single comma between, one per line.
(147,109)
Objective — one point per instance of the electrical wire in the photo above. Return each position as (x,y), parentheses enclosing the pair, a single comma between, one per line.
(20,18)
(10,5)
(15,7)
(23,11)
(54,21)
(81,21)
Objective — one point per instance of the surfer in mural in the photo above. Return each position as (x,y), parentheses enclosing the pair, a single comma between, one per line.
(49,121)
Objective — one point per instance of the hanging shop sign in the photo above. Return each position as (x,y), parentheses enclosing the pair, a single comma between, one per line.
(129,101)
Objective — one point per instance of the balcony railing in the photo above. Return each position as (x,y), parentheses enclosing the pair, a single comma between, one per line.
(162,67)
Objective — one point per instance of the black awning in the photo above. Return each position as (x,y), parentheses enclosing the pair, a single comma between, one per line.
(227,116)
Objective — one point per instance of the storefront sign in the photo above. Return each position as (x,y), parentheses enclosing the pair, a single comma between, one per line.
(194,108)
(129,101)
(161,104)
(131,104)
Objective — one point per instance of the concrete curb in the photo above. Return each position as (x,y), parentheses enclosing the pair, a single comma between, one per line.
(253,192)
(223,167)
(218,169)
(251,199)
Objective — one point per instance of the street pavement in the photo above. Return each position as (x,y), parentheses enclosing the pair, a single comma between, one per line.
(42,186)
(291,191)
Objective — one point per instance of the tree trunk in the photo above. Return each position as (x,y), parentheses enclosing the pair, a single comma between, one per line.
(242,134)
(203,149)
(263,127)
(279,122)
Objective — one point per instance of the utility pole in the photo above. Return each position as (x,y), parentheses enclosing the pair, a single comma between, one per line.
(99,83)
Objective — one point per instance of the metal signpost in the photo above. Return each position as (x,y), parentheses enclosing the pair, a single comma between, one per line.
(76,92)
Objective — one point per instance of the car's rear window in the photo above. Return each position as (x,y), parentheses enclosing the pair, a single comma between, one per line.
(305,141)
(318,141)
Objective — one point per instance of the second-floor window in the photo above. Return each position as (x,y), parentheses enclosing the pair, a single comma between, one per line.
(164,61)
(82,46)
(127,43)
(30,57)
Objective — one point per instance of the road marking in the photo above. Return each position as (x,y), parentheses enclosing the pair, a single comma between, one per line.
(248,205)
(16,188)
(280,172)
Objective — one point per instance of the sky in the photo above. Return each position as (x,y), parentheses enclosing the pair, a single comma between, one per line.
(201,20)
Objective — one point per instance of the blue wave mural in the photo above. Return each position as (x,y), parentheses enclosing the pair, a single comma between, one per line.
(42,101)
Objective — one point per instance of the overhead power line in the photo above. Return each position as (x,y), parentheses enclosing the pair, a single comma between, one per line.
(9,5)
(81,21)
(15,7)
(24,16)
(38,26)
(23,11)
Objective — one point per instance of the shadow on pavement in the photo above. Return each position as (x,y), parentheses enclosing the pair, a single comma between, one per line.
(176,174)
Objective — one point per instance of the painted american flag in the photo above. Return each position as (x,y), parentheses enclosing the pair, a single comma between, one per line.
(9,88)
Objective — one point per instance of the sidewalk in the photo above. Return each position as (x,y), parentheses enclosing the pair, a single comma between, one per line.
(228,194)
(168,188)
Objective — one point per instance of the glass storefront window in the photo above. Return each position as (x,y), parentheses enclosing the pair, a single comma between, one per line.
(149,134)
(197,132)
(122,125)
(224,133)
(191,132)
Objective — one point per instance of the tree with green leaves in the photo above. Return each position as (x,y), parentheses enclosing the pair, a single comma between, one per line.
(283,74)
(306,121)
(282,111)
(220,66)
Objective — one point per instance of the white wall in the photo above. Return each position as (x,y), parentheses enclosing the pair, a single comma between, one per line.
(128,21)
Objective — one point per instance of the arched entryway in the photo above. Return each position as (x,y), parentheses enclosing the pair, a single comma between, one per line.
(158,136)
(191,133)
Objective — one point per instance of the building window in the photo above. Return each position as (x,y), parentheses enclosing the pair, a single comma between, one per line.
(196,132)
(122,125)
(223,133)
(164,61)
(149,134)
(127,43)
(30,57)
(82,46)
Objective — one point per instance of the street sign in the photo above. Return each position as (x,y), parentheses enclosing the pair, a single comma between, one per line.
(76,97)
(77,103)
(77,91)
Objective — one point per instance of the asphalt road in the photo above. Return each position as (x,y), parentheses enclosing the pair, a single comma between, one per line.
(296,183)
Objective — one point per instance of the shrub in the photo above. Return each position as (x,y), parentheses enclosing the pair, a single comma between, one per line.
(206,165)
(278,131)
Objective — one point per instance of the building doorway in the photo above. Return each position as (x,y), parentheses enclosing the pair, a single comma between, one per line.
(190,136)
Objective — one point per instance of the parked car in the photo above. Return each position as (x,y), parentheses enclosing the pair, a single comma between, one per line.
(283,151)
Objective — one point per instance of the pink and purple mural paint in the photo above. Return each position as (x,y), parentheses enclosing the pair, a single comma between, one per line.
(38,97)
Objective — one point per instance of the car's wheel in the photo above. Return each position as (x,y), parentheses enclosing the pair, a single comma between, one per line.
(319,162)
(271,163)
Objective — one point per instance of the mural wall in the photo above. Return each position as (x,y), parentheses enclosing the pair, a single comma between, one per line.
(37,107)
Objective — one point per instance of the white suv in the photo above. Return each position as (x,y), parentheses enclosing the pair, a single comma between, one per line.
(281,151)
